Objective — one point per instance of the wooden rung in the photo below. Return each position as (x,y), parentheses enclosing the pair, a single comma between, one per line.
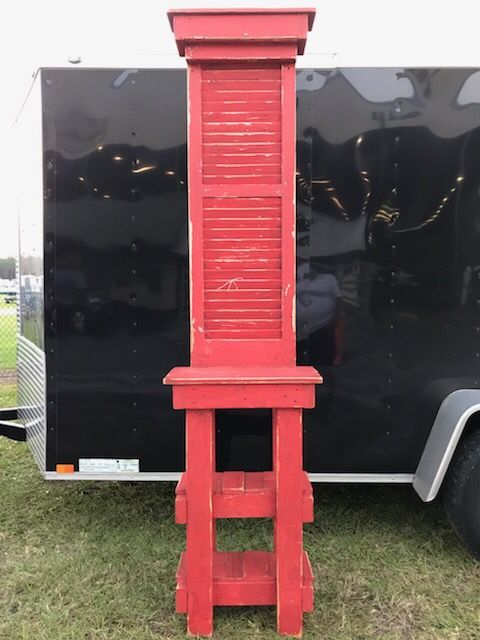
(232,482)
(244,579)
(240,494)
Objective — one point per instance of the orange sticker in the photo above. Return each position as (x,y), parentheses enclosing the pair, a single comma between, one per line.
(65,468)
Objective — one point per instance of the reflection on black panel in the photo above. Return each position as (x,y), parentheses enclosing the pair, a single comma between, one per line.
(388,192)
(121,305)
(388,195)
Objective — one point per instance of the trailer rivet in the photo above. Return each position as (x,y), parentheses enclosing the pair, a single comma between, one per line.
(135,194)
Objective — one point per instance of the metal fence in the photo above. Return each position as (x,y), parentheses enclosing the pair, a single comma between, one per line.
(8,346)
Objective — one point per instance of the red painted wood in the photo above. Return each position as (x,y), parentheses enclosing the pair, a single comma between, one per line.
(238,388)
(226,255)
(244,579)
(251,375)
(234,296)
(241,164)
(240,24)
(288,202)
(238,71)
(245,300)
(257,206)
(244,396)
(230,116)
(239,191)
(287,433)
(200,433)
(240,51)
(239,494)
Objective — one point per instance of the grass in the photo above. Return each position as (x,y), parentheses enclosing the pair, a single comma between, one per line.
(8,341)
(6,305)
(8,398)
(96,561)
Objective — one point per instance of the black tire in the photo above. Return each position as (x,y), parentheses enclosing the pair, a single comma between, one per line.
(461,492)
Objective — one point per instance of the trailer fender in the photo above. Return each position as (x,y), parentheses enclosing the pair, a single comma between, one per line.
(447,429)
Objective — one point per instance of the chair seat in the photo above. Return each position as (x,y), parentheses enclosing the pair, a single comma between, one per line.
(243,387)
(243,375)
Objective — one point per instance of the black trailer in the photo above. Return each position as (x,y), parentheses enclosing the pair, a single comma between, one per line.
(388,300)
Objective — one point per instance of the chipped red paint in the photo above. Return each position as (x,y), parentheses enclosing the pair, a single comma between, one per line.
(241,163)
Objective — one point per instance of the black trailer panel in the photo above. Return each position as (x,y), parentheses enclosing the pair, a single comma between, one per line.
(388,195)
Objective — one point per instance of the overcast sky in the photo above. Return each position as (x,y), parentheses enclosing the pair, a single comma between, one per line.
(134,34)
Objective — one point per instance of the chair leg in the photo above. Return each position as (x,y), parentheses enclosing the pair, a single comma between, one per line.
(288,462)
(200,436)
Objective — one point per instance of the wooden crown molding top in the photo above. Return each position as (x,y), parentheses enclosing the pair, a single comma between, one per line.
(200,27)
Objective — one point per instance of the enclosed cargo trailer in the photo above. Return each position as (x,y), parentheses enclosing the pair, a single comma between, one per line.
(388,291)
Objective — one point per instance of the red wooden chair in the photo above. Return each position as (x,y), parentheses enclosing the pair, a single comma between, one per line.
(241,168)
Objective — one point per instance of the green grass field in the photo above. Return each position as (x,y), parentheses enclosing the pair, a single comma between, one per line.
(8,339)
(96,561)
(5,305)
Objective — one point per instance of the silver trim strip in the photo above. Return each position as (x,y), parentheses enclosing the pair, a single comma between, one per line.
(31,396)
(173,476)
(142,476)
(446,431)
(383,478)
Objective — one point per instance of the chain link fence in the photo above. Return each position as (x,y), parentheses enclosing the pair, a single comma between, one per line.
(8,344)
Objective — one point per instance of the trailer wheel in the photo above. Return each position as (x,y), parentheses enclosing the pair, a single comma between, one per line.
(461,493)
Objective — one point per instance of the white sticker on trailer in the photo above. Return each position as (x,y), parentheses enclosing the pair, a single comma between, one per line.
(108,465)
